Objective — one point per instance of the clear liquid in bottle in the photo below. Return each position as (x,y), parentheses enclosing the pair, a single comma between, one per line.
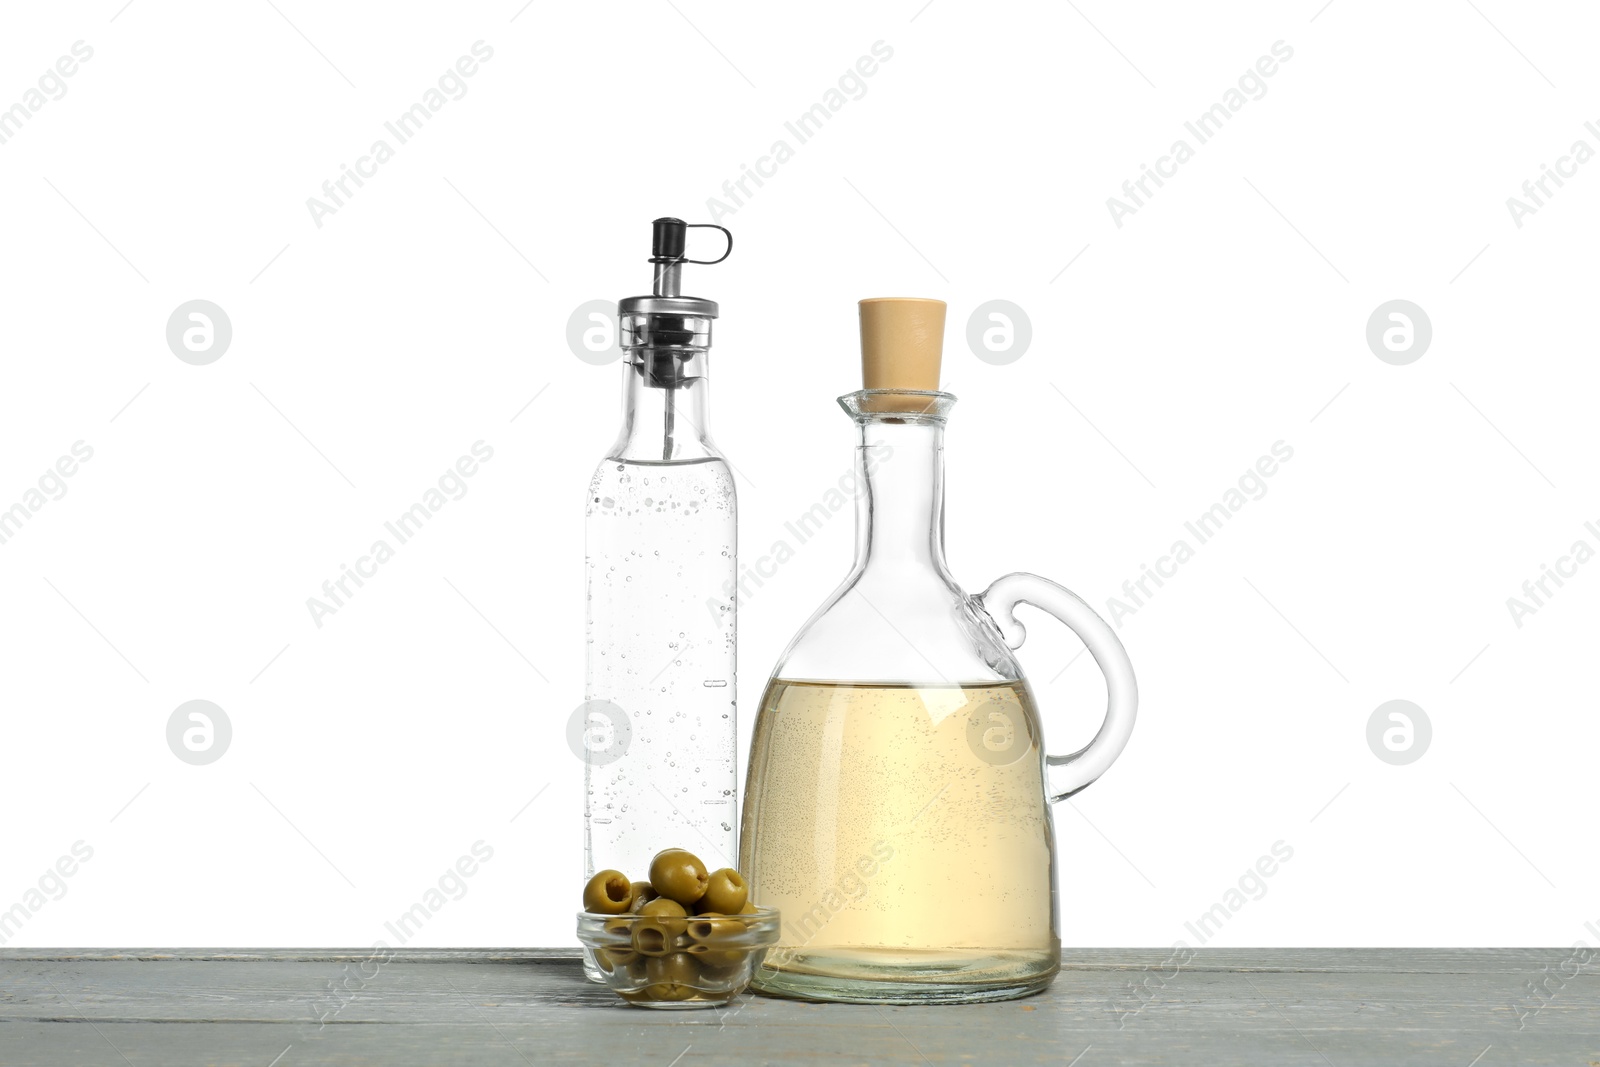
(660,560)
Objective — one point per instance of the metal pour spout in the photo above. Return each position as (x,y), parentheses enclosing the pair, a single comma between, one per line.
(666,335)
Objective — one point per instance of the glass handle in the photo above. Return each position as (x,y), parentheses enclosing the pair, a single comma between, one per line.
(1068,774)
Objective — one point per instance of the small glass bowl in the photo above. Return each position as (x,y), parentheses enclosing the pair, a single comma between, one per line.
(702,961)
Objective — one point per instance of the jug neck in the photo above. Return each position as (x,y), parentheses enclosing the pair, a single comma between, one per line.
(900,491)
(664,419)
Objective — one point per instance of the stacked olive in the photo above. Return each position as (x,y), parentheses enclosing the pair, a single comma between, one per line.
(676,933)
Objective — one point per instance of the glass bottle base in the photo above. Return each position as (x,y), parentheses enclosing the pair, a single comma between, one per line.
(906,977)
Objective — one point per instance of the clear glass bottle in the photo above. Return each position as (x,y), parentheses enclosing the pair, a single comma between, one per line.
(897,803)
(659,576)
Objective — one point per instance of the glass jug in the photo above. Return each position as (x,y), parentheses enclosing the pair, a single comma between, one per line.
(897,807)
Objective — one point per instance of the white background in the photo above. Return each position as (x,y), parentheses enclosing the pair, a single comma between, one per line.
(1227,314)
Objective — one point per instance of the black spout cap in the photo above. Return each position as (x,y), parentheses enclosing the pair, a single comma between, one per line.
(667,240)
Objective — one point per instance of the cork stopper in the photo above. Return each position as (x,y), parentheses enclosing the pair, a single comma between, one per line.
(902,339)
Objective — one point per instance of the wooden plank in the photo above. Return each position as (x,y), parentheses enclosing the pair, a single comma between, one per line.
(1392,960)
(444,1007)
(662,1038)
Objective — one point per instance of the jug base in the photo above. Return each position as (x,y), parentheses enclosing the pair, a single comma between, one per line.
(904,978)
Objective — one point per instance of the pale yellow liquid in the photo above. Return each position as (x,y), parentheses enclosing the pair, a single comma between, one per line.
(904,835)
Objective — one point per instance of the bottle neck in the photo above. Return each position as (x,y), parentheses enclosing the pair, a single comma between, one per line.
(900,499)
(664,412)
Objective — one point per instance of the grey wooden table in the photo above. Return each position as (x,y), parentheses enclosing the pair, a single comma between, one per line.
(274,1008)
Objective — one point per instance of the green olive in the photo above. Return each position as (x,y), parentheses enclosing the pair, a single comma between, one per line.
(713,941)
(748,909)
(629,981)
(678,967)
(671,977)
(713,927)
(726,892)
(652,936)
(608,893)
(619,952)
(611,959)
(669,912)
(643,893)
(717,963)
(679,875)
